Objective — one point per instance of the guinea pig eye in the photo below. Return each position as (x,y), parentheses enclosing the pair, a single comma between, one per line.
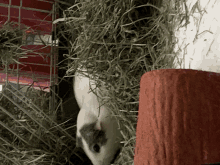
(96,148)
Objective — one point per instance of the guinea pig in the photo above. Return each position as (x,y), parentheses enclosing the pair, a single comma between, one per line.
(97,130)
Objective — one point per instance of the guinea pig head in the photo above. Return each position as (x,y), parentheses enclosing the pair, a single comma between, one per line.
(101,146)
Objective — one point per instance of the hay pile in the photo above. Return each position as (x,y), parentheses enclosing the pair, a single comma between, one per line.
(118,41)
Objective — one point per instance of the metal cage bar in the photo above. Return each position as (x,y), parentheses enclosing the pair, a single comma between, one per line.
(53,77)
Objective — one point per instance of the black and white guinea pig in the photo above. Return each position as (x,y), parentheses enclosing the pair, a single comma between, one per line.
(97,130)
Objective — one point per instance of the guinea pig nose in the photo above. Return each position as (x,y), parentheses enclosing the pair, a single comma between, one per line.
(96,148)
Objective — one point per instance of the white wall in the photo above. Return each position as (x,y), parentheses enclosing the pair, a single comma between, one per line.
(199,42)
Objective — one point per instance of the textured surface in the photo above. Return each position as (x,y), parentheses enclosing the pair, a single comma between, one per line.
(178,120)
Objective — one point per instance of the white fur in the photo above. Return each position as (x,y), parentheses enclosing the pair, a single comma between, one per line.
(89,113)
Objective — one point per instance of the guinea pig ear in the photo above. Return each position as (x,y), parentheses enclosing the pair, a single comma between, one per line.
(78,142)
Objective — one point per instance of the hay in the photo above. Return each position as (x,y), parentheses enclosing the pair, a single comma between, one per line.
(118,41)
(10,43)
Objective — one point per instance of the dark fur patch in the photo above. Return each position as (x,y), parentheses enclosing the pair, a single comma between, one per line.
(93,136)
